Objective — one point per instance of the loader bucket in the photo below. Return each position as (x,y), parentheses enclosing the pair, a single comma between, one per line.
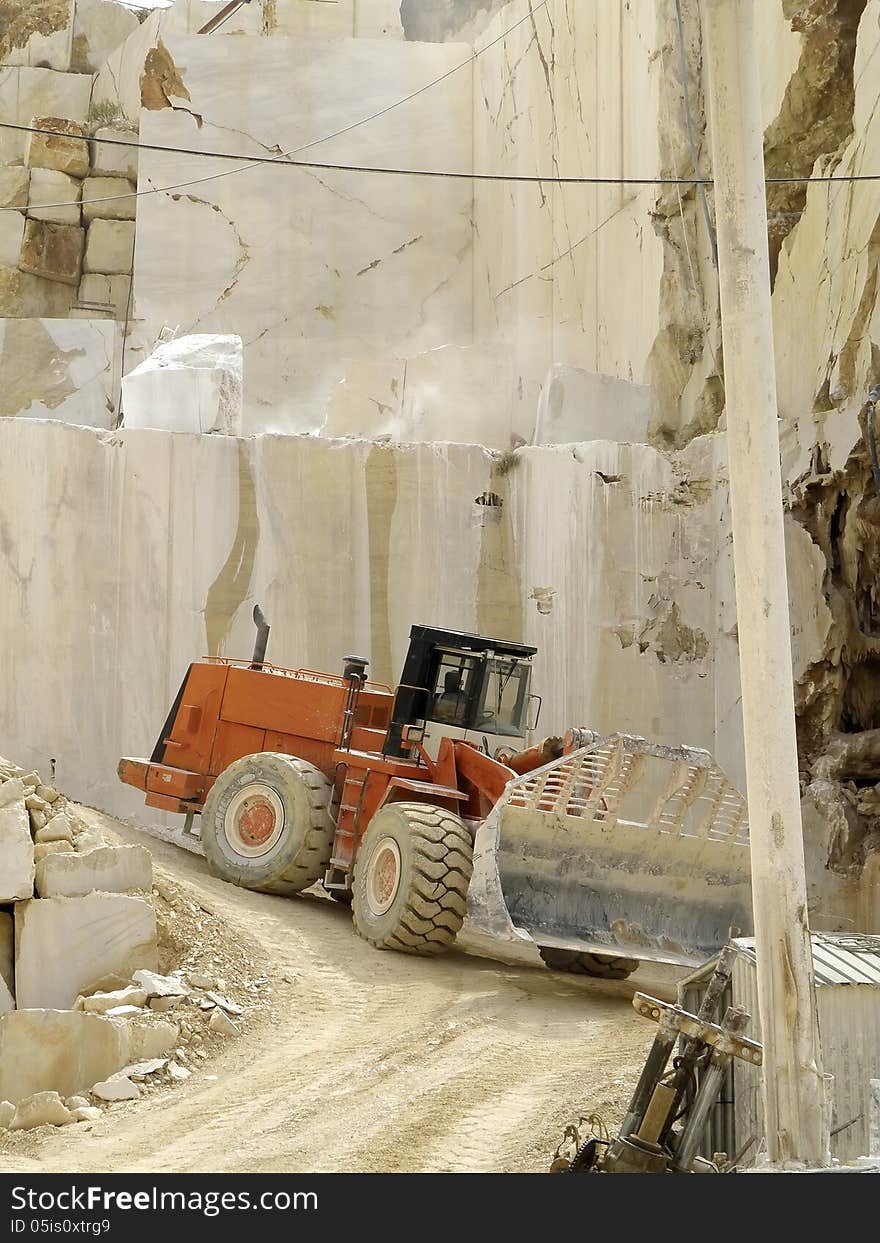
(624,848)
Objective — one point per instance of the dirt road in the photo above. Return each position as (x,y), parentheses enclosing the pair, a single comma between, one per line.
(368,1061)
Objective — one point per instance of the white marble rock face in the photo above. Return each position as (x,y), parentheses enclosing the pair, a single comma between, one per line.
(478,394)
(99,28)
(14,187)
(312,267)
(578,405)
(59,369)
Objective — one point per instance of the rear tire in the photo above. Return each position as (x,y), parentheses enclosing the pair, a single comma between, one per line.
(266,824)
(599,966)
(411,877)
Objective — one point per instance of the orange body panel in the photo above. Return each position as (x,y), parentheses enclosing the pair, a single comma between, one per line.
(133,773)
(289,705)
(307,749)
(231,742)
(175,783)
(191,740)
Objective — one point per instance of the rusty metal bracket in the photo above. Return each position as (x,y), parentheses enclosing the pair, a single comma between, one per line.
(698,1029)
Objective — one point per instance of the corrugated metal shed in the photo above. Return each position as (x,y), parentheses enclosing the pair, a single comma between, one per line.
(838,958)
(847,971)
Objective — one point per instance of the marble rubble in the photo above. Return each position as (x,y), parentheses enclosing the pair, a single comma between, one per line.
(79,919)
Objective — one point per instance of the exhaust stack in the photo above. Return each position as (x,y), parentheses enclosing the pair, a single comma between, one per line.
(262,626)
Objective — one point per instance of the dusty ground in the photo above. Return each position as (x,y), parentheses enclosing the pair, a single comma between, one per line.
(363,1061)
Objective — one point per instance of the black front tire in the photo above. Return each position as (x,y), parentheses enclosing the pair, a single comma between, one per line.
(599,966)
(297,796)
(423,856)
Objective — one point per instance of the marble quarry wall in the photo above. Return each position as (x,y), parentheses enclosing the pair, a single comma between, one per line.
(521,380)
(133,552)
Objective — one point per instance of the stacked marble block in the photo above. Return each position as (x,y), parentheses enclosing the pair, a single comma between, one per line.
(75,916)
(74,225)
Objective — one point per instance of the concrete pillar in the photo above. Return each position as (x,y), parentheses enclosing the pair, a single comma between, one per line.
(793,1086)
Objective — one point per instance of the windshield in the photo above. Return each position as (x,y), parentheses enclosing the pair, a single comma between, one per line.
(455,685)
(504,700)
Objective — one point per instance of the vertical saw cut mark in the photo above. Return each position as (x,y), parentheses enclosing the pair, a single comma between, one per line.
(380,480)
(230,588)
(500,606)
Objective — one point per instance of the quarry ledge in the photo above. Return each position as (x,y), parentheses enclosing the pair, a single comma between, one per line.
(34,429)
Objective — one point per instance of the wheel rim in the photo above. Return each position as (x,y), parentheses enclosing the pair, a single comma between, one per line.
(383,876)
(254,821)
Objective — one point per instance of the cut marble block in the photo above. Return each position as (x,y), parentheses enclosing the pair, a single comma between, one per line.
(109,869)
(193,384)
(66,1051)
(109,247)
(52,188)
(16,845)
(578,405)
(22,294)
(68,946)
(110,291)
(66,150)
(110,158)
(114,195)
(52,251)
(27,92)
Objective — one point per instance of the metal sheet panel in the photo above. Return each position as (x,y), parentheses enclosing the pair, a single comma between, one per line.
(838,958)
(847,969)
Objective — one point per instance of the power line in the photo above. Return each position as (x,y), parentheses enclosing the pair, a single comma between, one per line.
(284,158)
(448,174)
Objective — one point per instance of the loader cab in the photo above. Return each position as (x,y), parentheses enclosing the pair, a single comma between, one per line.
(465,686)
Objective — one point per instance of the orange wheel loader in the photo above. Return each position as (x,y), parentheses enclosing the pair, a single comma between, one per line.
(424,804)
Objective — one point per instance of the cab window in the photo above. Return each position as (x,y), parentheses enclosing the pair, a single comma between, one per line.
(453,689)
(504,700)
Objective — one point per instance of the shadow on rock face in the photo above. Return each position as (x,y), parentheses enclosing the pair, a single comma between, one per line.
(446,19)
